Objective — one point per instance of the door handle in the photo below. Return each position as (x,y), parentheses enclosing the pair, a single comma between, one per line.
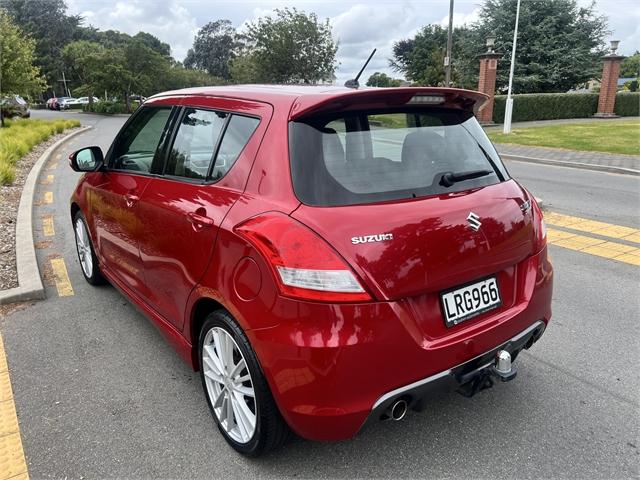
(199,220)
(131,198)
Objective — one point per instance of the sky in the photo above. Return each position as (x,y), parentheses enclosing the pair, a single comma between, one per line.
(358,26)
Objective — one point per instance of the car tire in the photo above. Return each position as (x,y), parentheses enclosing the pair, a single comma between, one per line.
(89,265)
(270,430)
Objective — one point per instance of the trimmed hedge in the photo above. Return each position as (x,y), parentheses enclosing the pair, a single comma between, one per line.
(107,107)
(550,106)
(627,104)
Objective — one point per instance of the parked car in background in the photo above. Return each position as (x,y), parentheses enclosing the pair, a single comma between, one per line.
(324,256)
(65,103)
(57,102)
(78,102)
(137,98)
(15,106)
(49,103)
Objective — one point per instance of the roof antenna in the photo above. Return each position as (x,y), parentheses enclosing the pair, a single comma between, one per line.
(353,83)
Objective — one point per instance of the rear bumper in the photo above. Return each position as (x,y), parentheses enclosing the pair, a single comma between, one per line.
(331,368)
(415,393)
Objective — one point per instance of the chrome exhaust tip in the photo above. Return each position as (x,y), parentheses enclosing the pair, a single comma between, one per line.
(398,410)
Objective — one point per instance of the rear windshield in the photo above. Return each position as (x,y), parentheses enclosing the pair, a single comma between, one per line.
(374,156)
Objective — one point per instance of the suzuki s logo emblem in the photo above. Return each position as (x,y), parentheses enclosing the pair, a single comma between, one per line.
(474,221)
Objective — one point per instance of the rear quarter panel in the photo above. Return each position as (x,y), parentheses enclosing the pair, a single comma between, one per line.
(268,188)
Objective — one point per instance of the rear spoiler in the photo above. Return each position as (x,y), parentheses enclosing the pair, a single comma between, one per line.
(468,100)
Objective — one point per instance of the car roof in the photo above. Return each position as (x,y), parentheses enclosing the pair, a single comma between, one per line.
(307,98)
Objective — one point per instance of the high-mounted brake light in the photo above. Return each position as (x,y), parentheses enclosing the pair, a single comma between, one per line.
(304,265)
(426,100)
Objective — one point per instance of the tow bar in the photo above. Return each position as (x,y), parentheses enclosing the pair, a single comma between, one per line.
(482,379)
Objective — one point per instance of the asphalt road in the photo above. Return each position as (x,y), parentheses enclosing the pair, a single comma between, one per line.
(100,394)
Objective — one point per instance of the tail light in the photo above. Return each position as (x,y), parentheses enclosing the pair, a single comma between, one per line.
(539,225)
(304,265)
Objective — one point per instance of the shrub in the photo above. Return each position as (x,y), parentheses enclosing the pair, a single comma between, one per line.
(549,106)
(107,107)
(20,136)
(627,104)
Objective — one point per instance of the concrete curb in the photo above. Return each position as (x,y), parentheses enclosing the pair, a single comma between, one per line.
(29,282)
(567,163)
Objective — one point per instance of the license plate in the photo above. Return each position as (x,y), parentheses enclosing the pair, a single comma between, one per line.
(463,303)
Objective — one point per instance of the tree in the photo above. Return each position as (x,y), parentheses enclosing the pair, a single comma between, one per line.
(18,75)
(630,67)
(45,21)
(244,69)
(214,48)
(383,80)
(560,45)
(85,59)
(154,43)
(145,70)
(291,47)
(180,77)
(421,59)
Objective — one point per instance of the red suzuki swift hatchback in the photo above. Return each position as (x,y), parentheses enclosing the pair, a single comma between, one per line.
(324,256)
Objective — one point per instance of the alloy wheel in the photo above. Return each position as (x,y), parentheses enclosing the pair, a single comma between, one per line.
(84,248)
(229,385)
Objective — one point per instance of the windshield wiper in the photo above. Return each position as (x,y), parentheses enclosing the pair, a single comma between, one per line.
(449,178)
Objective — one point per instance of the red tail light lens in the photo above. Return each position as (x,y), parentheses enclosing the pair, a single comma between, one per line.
(304,265)
(540,226)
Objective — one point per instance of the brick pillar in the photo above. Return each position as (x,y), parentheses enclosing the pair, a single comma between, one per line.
(487,84)
(609,85)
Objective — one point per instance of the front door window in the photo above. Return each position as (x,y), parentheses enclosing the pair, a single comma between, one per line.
(137,145)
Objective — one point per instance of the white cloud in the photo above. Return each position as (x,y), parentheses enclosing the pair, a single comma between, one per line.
(364,27)
(168,20)
(460,18)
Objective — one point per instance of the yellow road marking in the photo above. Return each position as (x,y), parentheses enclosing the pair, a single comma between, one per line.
(594,246)
(58,156)
(48,197)
(63,284)
(48,180)
(12,461)
(47,226)
(592,226)
(53,166)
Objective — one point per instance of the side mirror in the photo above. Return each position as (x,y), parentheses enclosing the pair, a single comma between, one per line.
(88,159)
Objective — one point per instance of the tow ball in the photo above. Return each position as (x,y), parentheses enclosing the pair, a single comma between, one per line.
(482,379)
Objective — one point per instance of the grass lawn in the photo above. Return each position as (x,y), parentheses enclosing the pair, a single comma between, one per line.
(20,136)
(610,137)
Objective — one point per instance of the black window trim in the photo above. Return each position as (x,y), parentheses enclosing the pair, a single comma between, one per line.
(159,151)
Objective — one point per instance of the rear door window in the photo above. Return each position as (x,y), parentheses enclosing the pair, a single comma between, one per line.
(208,143)
(366,157)
(195,143)
(236,136)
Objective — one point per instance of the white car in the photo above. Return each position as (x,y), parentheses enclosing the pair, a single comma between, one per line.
(78,101)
